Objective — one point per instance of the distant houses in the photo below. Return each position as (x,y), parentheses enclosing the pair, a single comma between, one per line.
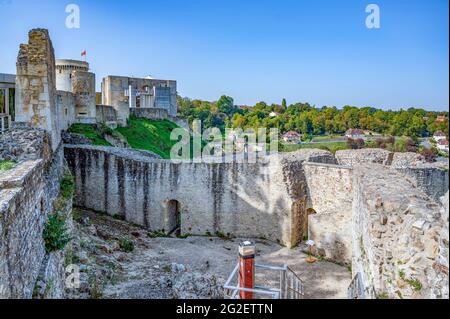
(441,118)
(441,141)
(274,114)
(442,145)
(438,136)
(355,134)
(292,137)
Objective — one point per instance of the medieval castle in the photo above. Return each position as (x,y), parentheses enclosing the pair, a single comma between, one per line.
(384,214)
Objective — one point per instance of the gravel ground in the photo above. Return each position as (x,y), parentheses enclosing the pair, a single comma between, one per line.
(164,267)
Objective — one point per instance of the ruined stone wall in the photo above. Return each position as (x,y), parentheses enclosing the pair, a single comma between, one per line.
(149,113)
(106,114)
(83,88)
(35,85)
(396,236)
(248,200)
(431,178)
(27,196)
(364,156)
(330,195)
(65,104)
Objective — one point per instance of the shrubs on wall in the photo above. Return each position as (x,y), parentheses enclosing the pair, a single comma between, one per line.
(6,165)
(55,233)
(67,186)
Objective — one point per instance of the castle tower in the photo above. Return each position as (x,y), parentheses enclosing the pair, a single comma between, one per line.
(74,76)
(35,85)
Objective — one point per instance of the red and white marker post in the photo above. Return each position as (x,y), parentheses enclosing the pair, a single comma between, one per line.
(247,252)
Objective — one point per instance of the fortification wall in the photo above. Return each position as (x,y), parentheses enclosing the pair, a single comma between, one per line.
(249,200)
(432,181)
(65,104)
(150,113)
(330,195)
(83,88)
(396,236)
(431,178)
(27,196)
(106,114)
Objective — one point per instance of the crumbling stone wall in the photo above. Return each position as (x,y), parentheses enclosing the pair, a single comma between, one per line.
(150,113)
(431,178)
(27,196)
(106,114)
(248,200)
(83,88)
(330,195)
(35,85)
(65,104)
(396,232)
(23,142)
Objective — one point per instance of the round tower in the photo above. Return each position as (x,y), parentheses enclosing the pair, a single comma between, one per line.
(64,70)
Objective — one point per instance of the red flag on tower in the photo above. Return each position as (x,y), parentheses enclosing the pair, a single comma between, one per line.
(83,53)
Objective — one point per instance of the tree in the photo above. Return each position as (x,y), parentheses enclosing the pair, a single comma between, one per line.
(226,105)
(284,104)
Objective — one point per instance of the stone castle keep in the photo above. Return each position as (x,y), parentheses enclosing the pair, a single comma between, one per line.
(371,209)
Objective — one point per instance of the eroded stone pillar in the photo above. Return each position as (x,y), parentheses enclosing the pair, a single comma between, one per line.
(35,85)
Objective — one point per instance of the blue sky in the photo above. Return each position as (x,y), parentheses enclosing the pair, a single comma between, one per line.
(255,50)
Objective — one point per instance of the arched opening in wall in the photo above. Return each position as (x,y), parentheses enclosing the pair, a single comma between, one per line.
(173,217)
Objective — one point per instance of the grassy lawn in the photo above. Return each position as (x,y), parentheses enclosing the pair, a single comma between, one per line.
(91,132)
(325,138)
(142,134)
(149,135)
(6,165)
(331,146)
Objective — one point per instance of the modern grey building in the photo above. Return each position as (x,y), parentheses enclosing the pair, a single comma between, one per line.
(125,93)
(7,100)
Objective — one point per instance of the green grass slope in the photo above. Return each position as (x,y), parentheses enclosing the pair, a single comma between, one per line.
(91,132)
(149,135)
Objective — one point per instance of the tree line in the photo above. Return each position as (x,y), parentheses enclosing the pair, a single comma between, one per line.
(310,120)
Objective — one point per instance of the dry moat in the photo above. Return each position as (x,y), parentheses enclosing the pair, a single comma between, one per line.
(170,267)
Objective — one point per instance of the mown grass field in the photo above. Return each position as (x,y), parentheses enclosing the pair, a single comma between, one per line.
(328,146)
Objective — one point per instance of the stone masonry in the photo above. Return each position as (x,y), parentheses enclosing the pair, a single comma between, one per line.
(35,85)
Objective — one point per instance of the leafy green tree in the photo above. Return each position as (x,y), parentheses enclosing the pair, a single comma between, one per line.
(226,105)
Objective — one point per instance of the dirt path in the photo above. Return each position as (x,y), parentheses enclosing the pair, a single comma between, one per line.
(151,269)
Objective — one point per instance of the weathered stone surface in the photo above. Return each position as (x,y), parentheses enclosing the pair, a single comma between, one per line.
(194,285)
(330,196)
(364,156)
(241,199)
(35,85)
(395,260)
(27,196)
(431,178)
(74,138)
(23,143)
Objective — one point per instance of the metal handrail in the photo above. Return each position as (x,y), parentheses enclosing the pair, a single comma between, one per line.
(290,287)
